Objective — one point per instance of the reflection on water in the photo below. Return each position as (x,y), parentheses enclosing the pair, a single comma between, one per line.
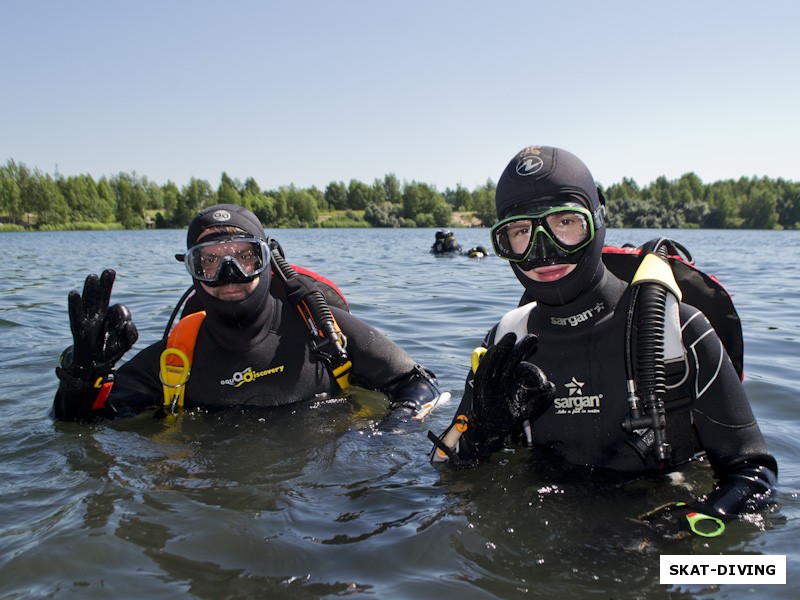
(312,501)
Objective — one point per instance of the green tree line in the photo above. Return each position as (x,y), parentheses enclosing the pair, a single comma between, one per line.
(31,199)
(745,203)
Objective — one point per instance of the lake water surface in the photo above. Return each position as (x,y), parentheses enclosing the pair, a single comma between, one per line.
(312,502)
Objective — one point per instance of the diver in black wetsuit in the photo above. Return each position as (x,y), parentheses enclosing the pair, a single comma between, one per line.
(573,400)
(252,349)
(445,243)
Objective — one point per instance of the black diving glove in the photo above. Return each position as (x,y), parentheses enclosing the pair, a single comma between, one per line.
(747,487)
(408,396)
(508,390)
(100,334)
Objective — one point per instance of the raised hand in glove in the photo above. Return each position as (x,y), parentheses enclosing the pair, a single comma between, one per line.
(100,334)
(507,391)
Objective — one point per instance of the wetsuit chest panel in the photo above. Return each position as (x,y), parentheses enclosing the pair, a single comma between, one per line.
(280,369)
(584,423)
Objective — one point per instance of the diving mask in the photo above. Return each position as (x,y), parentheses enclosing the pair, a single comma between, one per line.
(568,228)
(235,259)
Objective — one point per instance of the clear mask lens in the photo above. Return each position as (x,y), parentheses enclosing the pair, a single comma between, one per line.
(205,261)
(569,228)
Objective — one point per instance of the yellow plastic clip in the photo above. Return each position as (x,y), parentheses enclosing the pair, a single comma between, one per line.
(342,375)
(477,355)
(174,374)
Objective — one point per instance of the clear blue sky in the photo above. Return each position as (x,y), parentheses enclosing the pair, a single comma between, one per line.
(438,91)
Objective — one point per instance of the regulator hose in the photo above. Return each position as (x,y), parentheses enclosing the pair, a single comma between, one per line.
(332,345)
(175,311)
(317,305)
(647,385)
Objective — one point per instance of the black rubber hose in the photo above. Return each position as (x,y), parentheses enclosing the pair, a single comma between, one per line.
(650,371)
(176,310)
(316,302)
(651,378)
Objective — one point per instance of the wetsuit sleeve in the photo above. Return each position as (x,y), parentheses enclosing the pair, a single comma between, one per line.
(79,400)
(726,427)
(380,364)
(134,387)
(459,448)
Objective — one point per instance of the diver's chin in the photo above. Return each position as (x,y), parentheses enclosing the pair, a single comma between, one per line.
(231,292)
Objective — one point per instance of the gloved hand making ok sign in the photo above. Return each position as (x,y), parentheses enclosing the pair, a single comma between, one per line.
(507,391)
(101,334)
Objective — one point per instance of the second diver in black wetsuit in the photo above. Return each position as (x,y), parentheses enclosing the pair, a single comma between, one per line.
(574,400)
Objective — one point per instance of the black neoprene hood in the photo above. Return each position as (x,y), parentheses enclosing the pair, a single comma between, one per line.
(539,172)
(251,310)
(221,215)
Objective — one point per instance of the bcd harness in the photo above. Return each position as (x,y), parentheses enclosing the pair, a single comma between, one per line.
(327,339)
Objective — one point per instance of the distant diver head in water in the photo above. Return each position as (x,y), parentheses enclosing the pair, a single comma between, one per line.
(551,224)
(228,258)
